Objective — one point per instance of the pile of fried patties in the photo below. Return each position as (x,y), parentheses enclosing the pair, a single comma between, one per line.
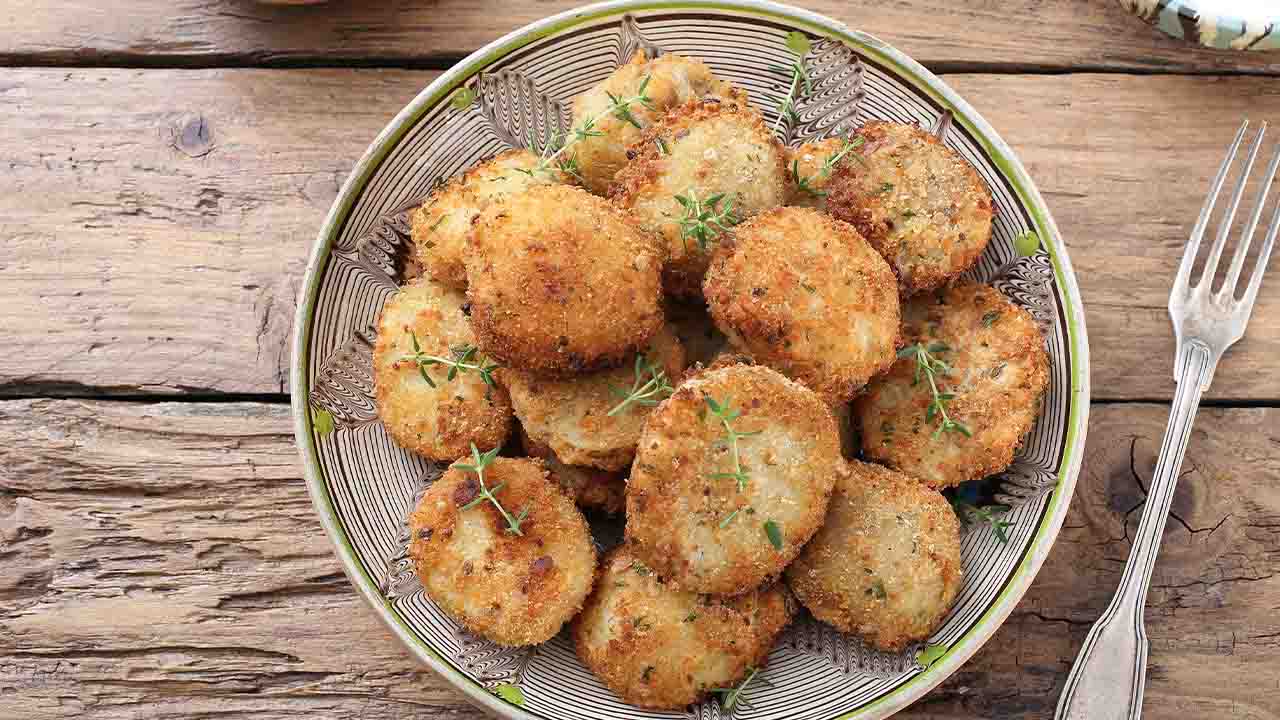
(673,317)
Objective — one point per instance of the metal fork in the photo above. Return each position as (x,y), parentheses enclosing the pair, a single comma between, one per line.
(1107,680)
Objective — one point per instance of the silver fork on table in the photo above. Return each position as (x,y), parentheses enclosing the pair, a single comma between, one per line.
(1107,680)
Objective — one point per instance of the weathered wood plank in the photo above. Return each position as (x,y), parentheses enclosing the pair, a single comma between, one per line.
(157,222)
(164,560)
(1057,34)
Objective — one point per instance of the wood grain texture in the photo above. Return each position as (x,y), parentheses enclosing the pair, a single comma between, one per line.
(158,222)
(164,561)
(975,34)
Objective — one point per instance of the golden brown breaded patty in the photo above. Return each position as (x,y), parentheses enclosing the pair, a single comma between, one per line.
(515,589)
(806,295)
(673,80)
(808,162)
(571,415)
(438,422)
(916,201)
(441,226)
(562,282)
(886,564)
(589,487)
(658,647)
(999,372)
(704,530)
(698,151)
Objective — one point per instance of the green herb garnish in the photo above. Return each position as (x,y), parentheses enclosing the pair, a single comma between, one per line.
(799,46)
(969,513)
(806,184)
(619,107)
(929,367)
(465,359)
(726,415)
(731,698)
(478,466)
(649,387)
(702,220)
(774,532)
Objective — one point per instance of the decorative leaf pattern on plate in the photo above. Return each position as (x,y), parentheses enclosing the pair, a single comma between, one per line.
(630,39)
(489,663)
(1027,281)
(344,384)
(845,653)
(401,579)
(386,250)
(830,108)
(520,114)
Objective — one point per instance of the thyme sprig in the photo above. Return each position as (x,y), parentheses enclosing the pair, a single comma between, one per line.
(619,107)
(799,45)
(992,515)
(929,366)
(466,358)
(806,184)
(650,386)
(703,220)
(481,461)
(726,415)
(731,698)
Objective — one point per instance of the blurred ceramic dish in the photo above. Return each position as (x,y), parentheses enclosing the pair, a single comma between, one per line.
(518,87)
(1222,24)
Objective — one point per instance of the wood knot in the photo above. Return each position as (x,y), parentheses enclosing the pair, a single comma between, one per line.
(192,137)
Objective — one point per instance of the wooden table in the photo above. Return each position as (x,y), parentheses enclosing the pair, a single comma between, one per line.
(164,167)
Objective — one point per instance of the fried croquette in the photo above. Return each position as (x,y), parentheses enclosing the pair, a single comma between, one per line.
(812,165)
(996,370)
(916,201)
(572,415)
(806,295)
(731,478)
(658,647)
(514,588)
(671,80)
(440,227)
(589,487)
(562,282)
(886,563)
(438,422)
(712,160)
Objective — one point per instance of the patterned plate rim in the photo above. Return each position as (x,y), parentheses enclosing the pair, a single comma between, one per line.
(907,70)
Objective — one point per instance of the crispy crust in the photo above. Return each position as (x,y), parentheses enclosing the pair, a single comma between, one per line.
(886,564)
(512,589)
(561,282)
(589,487)
(658,647)
(712,147)
(805,294)
(439,423)
(571,415)
(673,80)
(999,373)
(916,201)
(678,514)
(441,226)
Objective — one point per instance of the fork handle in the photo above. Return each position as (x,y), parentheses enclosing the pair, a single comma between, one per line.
(1107,679)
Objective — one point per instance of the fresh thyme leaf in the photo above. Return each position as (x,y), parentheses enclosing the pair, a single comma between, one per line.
(990,318)
(886,188)
(798,43)
(929,367)
(662,145)
(992,515)
(877,590)
(436,224)
(1026,243)
(702,219)
(510,692)
(725,413)
(774,533)
(806,184)
(930,654)
(640,568)
(650,386)
(728,519)
(463,98)
(619,107)
(480,462)
(465,359)
(808,288)
(691,617)
(731,698)
(799,46)
(647,673)
(322,421)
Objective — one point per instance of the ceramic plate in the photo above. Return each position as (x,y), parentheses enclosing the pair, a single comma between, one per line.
(520,86)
